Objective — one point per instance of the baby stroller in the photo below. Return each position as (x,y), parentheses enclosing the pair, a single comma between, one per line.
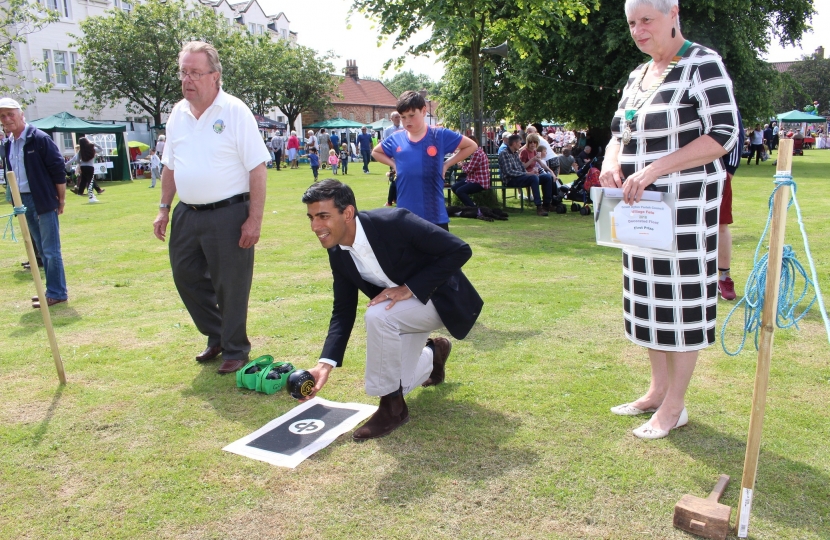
(580,189)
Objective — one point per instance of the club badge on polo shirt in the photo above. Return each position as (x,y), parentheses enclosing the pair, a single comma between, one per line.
(219,126)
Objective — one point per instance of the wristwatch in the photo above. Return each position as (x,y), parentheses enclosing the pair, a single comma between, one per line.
(162,205)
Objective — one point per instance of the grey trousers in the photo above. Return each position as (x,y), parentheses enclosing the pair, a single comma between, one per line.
(213,274)
(396,355)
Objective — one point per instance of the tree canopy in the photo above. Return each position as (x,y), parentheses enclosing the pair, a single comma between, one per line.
(18,19)
(408,80)
(461,28)
(586,64)
(133,56)
(811,76)
(303,82)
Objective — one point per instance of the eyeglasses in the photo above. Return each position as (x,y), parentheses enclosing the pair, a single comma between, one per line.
(194,75)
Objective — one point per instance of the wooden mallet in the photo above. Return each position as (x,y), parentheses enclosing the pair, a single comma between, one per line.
(704,517)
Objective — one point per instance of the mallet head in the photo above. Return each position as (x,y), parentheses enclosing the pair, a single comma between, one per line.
(704,517)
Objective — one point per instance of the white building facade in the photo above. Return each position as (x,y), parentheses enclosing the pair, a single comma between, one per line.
(53,44)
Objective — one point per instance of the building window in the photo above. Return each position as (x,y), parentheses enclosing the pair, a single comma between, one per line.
(256,29)
(60,68)
(121,4)
(284,33)
(68,143)
(280,119)
(339,114)
(368,118)
(73,66)
(47,64)
(61,6)
(351,116)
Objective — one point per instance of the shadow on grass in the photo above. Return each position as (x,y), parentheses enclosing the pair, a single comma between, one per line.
(448,441)
(799,498)
(484,338)
(26,275)
(61,315)
(41,430)
(245,407)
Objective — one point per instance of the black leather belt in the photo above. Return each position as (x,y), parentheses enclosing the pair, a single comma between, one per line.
(242,197)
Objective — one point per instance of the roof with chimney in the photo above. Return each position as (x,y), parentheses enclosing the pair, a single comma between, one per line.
(357,91)
(783,67)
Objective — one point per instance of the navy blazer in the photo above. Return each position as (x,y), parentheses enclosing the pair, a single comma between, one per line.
(412,252)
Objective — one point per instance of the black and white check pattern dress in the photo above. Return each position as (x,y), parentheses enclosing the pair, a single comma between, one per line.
(670,302)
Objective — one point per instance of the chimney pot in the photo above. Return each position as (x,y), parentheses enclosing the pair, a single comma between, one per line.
(351,69)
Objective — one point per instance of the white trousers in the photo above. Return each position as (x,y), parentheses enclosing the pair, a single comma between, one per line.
(396,355)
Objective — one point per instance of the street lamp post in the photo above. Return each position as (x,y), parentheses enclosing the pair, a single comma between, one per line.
(478,119)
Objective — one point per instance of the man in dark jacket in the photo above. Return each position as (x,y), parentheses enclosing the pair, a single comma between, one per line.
(411,271)
(40,171)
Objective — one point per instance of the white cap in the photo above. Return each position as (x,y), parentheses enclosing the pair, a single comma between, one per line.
(9,103)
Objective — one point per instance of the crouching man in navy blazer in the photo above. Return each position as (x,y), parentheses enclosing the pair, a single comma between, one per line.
(411,271)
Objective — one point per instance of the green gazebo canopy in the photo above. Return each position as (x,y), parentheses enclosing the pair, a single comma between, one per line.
(335,123)
(383,123)
(66,123)
(799,116)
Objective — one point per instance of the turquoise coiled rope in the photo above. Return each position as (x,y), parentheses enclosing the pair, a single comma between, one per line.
(791,269)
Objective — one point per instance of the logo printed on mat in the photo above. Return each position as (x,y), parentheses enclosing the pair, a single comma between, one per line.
(307,426)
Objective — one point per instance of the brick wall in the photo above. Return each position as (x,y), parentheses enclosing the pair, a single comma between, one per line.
(359,113)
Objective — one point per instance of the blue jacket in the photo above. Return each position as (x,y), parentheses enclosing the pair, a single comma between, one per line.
(45,167)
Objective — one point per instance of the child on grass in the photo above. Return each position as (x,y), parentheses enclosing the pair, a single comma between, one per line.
(155,167)
(314,161)
(344,158)
(333,161)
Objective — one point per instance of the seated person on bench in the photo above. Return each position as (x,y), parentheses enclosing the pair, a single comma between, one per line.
(514,174)
(476,177)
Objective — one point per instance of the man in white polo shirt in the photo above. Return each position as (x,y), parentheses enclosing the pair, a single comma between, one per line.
(215,159)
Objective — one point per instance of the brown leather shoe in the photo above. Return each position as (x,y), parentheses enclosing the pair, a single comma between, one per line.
(540,211)
(49,302)
(210,353)
(231,366)
(441,348)
(392,413)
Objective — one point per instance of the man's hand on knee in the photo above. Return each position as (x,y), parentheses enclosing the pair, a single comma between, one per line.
(393,295)
(321,376)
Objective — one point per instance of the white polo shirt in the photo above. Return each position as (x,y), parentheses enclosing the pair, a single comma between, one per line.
(213,155)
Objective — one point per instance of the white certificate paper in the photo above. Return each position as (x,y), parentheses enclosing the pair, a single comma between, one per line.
(647,224)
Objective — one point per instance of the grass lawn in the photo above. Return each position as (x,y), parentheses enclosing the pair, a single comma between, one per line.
(518,443)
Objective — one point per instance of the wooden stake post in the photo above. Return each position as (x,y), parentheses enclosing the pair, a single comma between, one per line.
(11,180)
(768,317)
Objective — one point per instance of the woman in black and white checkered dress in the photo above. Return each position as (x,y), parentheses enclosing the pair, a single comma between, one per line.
(677,117)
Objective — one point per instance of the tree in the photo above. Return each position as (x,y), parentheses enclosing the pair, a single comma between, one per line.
(587,64)
(133,56)
(408,80)
(788,94)
(463,27)
(250,69)
(812,75)
(303,81)
(18,19)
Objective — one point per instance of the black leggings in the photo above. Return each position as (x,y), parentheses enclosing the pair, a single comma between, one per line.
(756,149)
(87,173)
